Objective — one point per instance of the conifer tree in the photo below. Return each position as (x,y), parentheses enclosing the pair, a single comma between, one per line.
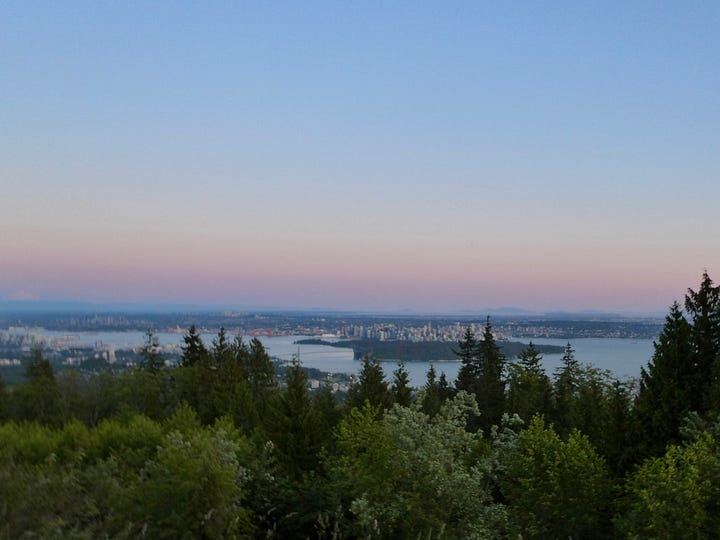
(431,400)
(445,390)
(38,399)
(3,400)
(529,390)
(370,386)
(491,394)
(468,378)
(620,451)
(151,359)
(703,310)
(567,378)
(667,386)
(326,410)
(222,351)
(260,374)
(401,389)
(293,424)
(194,351)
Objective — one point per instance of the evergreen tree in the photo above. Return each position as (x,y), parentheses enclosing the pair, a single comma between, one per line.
(444,389)
(151,359)
(491,391)
(38,367)
(703,310)
(293,424)
(401,389)
(370,386)
(260,374)
(327,411)
(194,351)
(38,399)
(468,378)
(222,351)
(529,359)
(4,398)
(591,405)
(667,385)
(431,400)
(620,452)
(529,388)
(565,389)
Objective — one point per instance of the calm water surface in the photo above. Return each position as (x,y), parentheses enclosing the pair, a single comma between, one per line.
(623,357)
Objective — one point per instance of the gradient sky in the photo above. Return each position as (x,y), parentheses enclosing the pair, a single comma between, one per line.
(434,156)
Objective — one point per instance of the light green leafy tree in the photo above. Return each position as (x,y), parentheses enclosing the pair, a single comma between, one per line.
(407,475)
(556,488)
(676,495)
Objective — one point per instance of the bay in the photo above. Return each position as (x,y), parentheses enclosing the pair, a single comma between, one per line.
(623,357)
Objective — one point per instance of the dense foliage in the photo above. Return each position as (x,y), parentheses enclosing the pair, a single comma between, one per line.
(217,447)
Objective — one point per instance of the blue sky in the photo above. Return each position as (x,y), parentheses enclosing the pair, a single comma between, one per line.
(359,155)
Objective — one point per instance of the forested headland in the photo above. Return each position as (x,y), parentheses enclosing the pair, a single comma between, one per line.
(221,447)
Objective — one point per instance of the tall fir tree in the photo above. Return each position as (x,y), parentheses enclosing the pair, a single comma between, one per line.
(293,425)
(703,311)
(401,389)
(567,380)
(222,350)
(468,377)
(151,359)
(38,399)
(431,400)
(4,400)
(529,388)
(445,390)
(260,374)
(370,386)
(491,394)
(667,386)
(194,351)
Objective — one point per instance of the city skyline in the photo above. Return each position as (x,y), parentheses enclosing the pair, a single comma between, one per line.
(436,158)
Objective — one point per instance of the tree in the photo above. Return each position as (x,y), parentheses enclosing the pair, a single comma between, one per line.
(294,427)
(431,393)
(703,309)
(370,386)
(401,389)
(444,389)
(38,367)
(194,351)
(529,388)
(406,475)
(468,378)
(38,399)
(666,386)
(556,488)
(151,359)
(4,399)
(620,451)
(565,389)
(327,411)
(491,395)
(191,488)
(675,495)
(221,349)
(260,373)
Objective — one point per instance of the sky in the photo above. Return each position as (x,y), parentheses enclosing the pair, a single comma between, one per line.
(429,156)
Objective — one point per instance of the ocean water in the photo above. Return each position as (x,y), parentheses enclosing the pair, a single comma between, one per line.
(623,357)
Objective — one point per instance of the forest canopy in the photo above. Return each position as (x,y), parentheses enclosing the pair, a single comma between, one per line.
(221,447)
